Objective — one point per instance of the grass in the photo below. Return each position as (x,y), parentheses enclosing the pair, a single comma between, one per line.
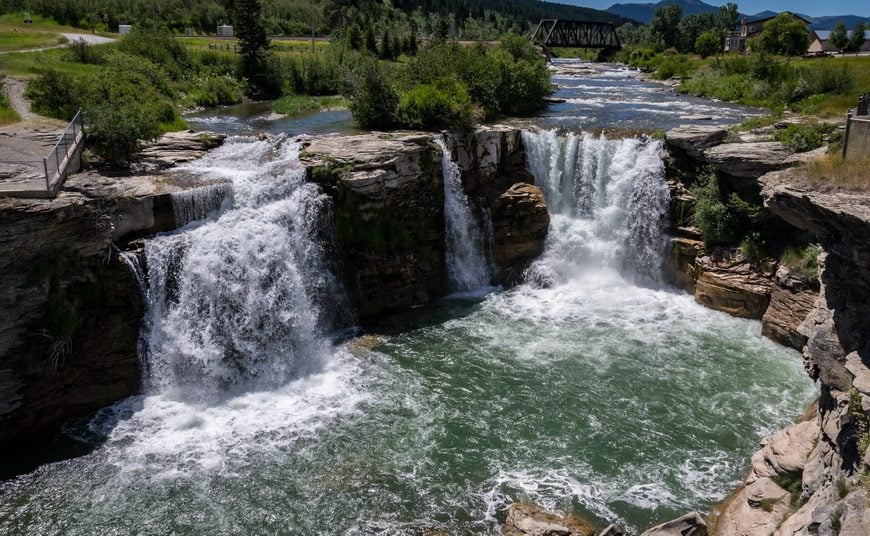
(7,114)
(832,173)
(802,262)
(280,46)
(299,104)
(832,105)
(30,63)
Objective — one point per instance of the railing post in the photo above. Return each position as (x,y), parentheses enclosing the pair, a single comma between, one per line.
(45,167)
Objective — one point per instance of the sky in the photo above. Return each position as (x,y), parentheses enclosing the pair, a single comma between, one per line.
(813,8)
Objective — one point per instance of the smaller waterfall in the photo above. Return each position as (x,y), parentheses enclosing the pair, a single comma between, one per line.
(467,265)
(199,203)
(608,202)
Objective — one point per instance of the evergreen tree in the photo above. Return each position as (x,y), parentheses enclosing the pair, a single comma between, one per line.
(354,37)
(371,42)
(386,45)
(665,25)
(396,47)
(840,36)
(857,38)
(253,46)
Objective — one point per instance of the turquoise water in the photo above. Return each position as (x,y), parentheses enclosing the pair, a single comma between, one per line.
(584,391)
(593,396)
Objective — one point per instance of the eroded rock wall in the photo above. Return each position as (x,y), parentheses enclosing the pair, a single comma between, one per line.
(811,478)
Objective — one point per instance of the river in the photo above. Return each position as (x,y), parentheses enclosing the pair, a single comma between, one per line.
(595,388)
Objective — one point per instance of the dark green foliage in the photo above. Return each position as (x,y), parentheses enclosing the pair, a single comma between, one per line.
(372,93)
(371,41)
(717,222)
(320,74)
(665,25)
(386,50)
(354,37)
(803,137)
(857,38)
(793,484)
(436,106)
(511,79)
(117,131)
(256,66)
(840,36)
(708,43)
(159,48)
(54,94)
(785,34)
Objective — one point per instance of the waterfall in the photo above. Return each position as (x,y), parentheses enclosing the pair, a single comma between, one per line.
(609,205)
(467,265)
(199,203)
(245,300)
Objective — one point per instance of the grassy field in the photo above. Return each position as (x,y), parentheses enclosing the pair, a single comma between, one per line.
(299,104)
(838,104)
(15,35)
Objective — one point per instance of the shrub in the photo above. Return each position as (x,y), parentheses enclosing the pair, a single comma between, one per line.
(802,262)
(116,130)
(753,247)
(80,51)
(7,113)
(803,137)
(717,222)
(372,93)
(673,65)
(213,90)
(54,94)
(709,43)
(160,49)
(433,107)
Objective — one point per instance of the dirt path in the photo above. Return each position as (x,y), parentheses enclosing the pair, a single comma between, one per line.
(14,88)
(88,38)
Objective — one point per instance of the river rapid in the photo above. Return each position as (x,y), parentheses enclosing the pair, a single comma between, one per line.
(594,388)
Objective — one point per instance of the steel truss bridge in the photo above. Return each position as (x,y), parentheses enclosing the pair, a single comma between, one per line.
(552,33)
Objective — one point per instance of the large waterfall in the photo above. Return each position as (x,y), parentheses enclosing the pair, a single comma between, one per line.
(467,265)
(242,300)
(608,202)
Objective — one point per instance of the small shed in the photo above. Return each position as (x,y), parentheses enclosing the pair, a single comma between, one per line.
(124,29)
(225,30)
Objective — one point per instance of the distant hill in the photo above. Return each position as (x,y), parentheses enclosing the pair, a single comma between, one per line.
(644,13)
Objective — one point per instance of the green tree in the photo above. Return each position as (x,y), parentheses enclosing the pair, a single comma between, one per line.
(728,16)
(785,34)
(857,38)
(665,25)
(371,41)
(708,43)
(840,36)
(354,37)
(253,45)
(386,46)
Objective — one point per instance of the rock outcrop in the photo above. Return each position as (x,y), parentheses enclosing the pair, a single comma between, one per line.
(820,462)
(388,215)
(520,222)
(694,139)
(729,282)
(691,524)
(791,301)
(524,519)
(748,160)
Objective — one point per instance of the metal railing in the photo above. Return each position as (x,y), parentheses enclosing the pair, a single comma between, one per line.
(58,160)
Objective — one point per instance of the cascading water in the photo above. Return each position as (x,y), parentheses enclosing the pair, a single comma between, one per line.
(608,201)
(199,203)
(467,265)
(244,300)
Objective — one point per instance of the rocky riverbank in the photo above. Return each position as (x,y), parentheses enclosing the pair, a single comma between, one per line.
(70,310)
(810,478)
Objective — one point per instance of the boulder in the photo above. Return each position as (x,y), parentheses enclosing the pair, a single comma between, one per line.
(694,139)
(785,452)
(691,524)
(520,222)
(525,519)
(748,160)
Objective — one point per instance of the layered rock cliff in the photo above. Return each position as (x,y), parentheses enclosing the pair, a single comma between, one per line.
(811,478)
(722,277)
(388,215)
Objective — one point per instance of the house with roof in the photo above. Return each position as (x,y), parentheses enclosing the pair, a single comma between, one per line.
(736,41)
(821,42)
